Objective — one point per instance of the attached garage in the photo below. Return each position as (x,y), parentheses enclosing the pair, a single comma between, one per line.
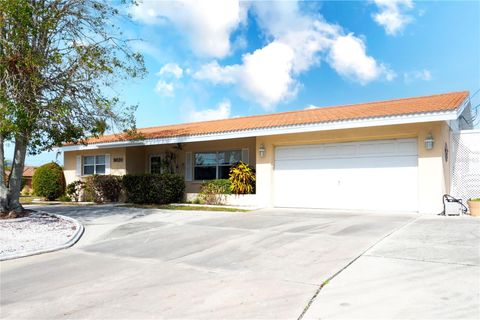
(366,175)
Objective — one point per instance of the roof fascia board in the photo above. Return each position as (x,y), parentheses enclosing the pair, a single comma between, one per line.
(348,124)
(462,107)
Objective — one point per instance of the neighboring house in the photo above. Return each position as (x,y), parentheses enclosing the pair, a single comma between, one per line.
(387,155)
(27,176)
(28,172)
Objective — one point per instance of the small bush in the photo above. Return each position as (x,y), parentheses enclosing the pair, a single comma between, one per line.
(75,190)
(212,193)
(223,185)
(242,179)
(103,188)
(48,181)
(64,198)
(154,188)
(26,191)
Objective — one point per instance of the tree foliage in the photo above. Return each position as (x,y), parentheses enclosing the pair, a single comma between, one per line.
(59,63)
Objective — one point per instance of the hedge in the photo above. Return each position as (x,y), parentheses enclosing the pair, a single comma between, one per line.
(103,188)
(154,188)
(48,181)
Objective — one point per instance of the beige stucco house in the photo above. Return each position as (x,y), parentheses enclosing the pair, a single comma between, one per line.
(388,155)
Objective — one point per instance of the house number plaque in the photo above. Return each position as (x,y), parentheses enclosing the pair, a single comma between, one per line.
(118,159)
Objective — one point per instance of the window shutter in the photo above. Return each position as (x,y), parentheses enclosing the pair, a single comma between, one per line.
(188,166)
(78,170)
(245,156)
(107,164)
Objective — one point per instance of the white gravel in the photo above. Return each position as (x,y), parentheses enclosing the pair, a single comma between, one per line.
(38,231)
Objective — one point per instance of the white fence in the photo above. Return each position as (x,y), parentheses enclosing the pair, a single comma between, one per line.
(465,162)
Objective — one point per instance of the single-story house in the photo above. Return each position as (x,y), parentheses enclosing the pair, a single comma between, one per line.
(27,175)
(385,155)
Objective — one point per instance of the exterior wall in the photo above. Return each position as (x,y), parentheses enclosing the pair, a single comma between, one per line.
(70,161)
(137,159)
(205,146)
(431,167)
(240,200)
(445,143)
(28,181)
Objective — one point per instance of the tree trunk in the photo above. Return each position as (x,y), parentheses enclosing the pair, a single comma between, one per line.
(10,198)
(3,182)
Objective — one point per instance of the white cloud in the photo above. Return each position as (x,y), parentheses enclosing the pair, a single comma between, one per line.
(171,69)
(298,41)
(207,24)
(418,75)
(222,111)
(217,74)
(306,34)
(392,15)
(164,88)
(348,57)
(264,76)
(311,107)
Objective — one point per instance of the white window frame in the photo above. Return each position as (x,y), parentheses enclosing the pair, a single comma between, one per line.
(95,164)
(217,165)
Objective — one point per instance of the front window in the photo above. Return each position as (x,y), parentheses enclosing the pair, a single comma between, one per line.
(94,165)
(215,165)
(156,164)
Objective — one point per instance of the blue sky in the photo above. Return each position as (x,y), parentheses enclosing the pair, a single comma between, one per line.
(222,59)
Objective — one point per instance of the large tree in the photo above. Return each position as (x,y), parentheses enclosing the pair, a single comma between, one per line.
(59,63)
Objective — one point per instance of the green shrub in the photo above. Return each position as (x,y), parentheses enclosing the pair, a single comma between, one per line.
(26,191)
(242,179)
(224,185)
(103,188)
(75,190)
(64,198)
(212,193)
(48,181)
(475,199)
(154,188)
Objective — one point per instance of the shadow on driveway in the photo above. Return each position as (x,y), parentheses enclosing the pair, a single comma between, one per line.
(97,214)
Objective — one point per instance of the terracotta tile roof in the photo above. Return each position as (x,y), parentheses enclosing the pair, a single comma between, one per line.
(378,109)
(28,171)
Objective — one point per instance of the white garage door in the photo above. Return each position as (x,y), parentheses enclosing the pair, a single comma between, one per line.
(368,175)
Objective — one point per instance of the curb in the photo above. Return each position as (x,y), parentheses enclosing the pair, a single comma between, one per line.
(79,232)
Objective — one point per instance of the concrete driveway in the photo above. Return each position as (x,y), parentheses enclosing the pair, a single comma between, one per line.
(135,263)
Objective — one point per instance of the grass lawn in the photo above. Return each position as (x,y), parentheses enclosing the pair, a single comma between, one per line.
(27,199)
(184,208)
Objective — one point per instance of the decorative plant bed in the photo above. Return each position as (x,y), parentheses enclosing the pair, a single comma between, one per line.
(36,233)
